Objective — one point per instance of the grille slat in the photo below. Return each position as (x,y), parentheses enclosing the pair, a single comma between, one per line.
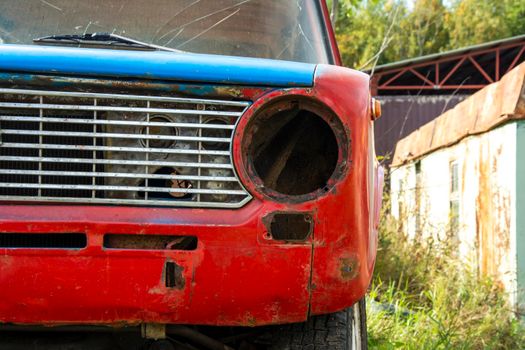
(116,122)
(123,97)
(115,149)
(96,174)
(121,188)
(115,162)
(114,135)
(118,149)
(116,109)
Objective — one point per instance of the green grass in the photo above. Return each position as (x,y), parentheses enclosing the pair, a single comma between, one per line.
(424,297)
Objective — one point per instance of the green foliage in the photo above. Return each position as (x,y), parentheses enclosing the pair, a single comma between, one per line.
(474,21)
(424,297)
(363,27)
(425,27)
(381,31)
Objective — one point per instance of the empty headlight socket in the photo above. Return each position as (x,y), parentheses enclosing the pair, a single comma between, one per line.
(289,226)
(295,149)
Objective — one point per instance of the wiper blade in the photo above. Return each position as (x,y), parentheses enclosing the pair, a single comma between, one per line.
(100,39)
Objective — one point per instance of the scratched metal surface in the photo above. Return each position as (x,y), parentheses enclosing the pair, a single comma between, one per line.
(287,30)
(235,276)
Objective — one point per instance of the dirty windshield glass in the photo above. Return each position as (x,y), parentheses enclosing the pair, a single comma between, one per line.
(278,29)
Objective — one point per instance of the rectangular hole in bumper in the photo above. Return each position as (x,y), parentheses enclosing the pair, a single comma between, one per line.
(43,240)
(149,242)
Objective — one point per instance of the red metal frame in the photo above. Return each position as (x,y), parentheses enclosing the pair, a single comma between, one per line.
(236,276)
(440,83)
(331,33)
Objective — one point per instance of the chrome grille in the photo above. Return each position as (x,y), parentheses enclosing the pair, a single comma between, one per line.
(121,149)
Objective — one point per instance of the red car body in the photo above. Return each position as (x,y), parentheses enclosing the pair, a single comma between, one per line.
(238,274)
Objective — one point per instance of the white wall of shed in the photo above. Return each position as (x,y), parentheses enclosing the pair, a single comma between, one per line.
(486,236)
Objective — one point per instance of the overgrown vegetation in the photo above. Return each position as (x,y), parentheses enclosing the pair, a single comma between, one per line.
(424,296)
(373,32)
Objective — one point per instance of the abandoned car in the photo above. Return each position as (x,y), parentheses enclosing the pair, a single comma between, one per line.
(182,174)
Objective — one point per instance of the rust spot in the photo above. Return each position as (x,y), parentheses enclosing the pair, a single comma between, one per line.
(349,268)
(229,91)
(133,86)
(492,216)
(249,320)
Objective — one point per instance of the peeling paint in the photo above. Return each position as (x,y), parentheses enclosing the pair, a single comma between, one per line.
(487,190)
(231,278)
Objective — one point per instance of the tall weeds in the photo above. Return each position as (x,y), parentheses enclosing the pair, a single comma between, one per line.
(424,297)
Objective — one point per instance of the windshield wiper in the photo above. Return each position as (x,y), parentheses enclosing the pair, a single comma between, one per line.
(101,39)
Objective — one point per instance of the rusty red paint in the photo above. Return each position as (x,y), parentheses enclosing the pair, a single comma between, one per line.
(345,225)
(470,117)
(127,286)
(282,100)
(87,84)
(515,61)
(235,276)
(349,268)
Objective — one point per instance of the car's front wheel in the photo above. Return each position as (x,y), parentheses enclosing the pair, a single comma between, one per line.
(343,330)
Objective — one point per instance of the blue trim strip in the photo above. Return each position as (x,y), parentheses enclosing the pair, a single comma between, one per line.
(155,65)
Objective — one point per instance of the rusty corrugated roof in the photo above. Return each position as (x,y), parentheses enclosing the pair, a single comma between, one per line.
(491,106)
(435,56)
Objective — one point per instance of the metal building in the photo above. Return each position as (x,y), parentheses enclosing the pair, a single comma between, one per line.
(415,91)
(463,176)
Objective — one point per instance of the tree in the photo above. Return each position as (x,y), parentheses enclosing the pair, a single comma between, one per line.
(381,31)
(365,29)
(515,15)
(474,22)
(425,27)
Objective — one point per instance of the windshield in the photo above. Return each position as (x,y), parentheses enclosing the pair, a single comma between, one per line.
(279,29)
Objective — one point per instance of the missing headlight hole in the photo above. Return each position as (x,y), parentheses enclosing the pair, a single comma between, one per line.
(294,149)
(164,130)
(216,133)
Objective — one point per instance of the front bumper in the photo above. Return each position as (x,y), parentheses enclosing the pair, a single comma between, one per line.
(236,276)
(233,277)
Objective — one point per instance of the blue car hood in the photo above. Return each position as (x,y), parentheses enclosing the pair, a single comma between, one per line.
(157,65)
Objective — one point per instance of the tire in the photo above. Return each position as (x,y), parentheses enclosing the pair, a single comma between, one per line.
(343,330)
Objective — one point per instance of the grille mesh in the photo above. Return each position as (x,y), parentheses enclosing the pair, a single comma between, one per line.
(121,149)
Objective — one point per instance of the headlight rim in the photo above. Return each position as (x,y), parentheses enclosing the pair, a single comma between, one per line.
(263,108)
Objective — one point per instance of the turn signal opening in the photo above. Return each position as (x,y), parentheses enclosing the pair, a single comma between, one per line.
(294,150)
(291,226)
